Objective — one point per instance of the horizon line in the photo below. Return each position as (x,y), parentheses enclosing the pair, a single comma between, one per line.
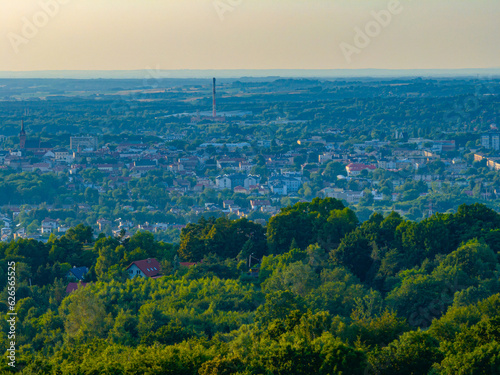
(149,73)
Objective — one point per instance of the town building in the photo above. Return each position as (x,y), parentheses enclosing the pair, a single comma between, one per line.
(48,225)
(354,169)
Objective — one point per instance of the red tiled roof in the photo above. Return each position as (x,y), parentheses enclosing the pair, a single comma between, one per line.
(150,267)
(359,166)
(188,264)
(74,286)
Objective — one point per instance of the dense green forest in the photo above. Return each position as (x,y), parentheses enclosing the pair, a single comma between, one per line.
(329,295)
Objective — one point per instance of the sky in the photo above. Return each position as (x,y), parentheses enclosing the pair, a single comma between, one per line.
(248,34)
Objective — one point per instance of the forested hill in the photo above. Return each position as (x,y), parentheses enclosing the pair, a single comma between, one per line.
(314,292)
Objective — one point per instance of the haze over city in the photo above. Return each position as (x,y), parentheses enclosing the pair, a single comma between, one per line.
(256,34)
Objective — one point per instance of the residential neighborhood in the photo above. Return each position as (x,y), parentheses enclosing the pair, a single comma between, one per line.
(260,178)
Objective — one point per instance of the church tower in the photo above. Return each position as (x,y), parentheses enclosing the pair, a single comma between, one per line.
(22,137)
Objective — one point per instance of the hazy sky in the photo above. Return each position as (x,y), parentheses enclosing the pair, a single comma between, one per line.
(249,34)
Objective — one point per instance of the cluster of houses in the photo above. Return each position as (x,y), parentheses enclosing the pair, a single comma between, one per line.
(232,167)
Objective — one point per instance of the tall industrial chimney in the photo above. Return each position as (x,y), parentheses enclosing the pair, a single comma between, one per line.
(214,113)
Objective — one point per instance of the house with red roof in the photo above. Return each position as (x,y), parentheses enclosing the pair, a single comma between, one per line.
(74,286)
(354,169)
(144,268)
